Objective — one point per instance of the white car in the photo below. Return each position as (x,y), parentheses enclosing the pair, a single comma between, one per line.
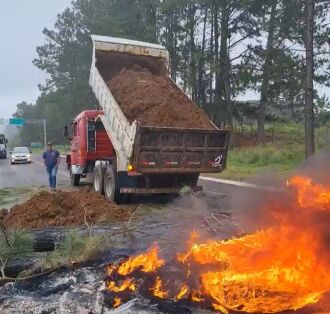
(20,155)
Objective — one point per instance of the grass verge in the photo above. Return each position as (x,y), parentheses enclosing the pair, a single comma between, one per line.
(13,195)
(61,148)
(245,162)
(14,244)
(74,249)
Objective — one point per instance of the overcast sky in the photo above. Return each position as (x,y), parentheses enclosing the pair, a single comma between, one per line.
(21,25)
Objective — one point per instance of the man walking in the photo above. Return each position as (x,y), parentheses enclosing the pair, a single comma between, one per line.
(51,160)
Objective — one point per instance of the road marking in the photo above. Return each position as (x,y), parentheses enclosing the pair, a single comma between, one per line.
(238,183)
(60,171)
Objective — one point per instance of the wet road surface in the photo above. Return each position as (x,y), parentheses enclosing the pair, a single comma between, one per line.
(27,174)
(34,174)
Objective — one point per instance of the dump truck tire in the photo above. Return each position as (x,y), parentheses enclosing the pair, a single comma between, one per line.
(98,182)
(111,190)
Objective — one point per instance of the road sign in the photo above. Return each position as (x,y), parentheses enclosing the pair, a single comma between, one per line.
(35,144)
(16,121)
(19,122)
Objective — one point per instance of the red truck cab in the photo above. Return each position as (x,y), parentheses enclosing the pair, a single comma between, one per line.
(89,142)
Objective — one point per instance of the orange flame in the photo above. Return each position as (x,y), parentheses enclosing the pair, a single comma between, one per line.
(127,284)
(183,291)
(284,267)
(310,194)
(117,302)
(273,270)
(196,296)
(157,289)
(148,262)
(110,269)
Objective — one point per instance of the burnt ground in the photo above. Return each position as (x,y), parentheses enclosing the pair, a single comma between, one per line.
(81,289)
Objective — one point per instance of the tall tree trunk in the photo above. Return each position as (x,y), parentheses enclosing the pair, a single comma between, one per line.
(201,67)
(193,65)
(171,42)
(152,20)
(211,76)
(217,94)
(225,65)
(309,93)
(266,76)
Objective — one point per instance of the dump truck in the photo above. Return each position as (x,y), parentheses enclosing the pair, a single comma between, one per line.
(116,145)
(3,146)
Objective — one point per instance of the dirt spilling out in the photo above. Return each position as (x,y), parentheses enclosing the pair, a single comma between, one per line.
(65,209)
(155,100)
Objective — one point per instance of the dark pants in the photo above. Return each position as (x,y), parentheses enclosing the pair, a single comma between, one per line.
(52,172)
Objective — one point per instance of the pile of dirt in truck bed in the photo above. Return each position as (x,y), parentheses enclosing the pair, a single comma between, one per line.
(155,100)
(65,209)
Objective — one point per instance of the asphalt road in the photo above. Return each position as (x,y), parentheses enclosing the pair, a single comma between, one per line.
(27,174)
(34,174)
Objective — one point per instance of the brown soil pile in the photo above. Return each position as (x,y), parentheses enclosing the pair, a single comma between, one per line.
(65,209)
(155,100)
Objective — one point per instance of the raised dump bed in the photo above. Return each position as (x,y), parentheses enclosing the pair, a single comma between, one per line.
(159,139)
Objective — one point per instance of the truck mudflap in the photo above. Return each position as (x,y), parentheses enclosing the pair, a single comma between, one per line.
(176,150)
(157,190)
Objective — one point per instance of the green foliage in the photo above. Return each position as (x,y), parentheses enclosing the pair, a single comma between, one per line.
(217,51)
(290,131)
(74,249)
(60,148)
(283,153)
(247,162)
(12,195)
(186,190)
(267,156)
(20,245)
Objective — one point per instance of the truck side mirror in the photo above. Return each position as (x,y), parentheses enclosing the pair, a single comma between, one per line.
(10,153)
(6,141)
(66,133)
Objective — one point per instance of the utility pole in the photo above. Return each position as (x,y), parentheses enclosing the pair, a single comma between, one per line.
(45,132)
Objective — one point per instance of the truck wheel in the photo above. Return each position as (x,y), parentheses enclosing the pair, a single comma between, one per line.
(74,178)
(98,182)
(110,187)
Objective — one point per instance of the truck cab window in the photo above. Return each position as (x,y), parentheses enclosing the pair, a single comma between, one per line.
(91,136)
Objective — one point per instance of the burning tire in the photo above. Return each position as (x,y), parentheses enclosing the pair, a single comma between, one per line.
(98,182)
(111,191)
